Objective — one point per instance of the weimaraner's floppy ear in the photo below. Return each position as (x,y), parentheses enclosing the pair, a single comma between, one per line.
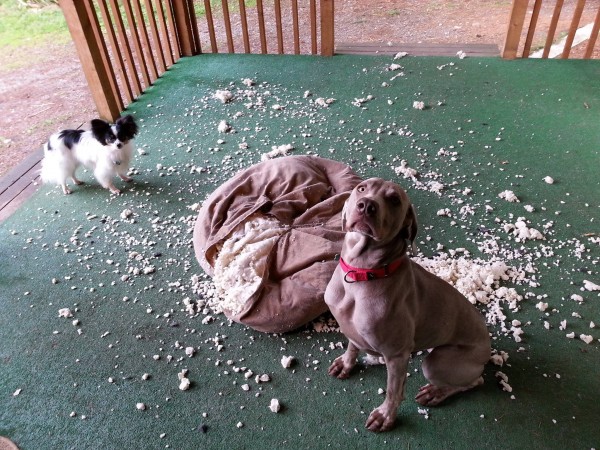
(410,228)
(344,212)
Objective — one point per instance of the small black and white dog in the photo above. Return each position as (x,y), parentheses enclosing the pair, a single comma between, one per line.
(106,149)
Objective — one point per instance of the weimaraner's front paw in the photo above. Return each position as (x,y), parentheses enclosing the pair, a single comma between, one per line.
(380,420)
(339,369)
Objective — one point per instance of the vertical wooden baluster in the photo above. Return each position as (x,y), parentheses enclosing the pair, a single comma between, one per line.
(296,27)
(592,42)
(194,26)
(162,66)
(227,21)
(515,26)
(261,26)
(211,26)
(552,28)
(244,21)
(279,26)
(171,29)
(125,48)
(84,28)
(327,28)
(134,30)
(313,26)
(532,25)
(162,26)
(117,56)
(186,29)
(573,29)
(147,48)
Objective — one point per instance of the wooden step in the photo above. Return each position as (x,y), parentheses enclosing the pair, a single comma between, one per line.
(418,49)
(19,184)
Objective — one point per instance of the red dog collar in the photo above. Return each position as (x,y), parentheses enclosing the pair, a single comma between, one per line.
(357,274)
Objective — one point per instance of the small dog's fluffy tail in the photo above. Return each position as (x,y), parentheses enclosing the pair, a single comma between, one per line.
(55,167)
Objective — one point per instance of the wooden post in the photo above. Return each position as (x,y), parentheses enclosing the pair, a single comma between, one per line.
(186,35)
(327,28)
(93,57)
(515,26)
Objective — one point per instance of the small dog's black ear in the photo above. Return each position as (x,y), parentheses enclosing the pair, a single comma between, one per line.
(99,128)
(127,126)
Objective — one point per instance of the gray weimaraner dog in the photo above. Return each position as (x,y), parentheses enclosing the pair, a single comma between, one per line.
(389,306)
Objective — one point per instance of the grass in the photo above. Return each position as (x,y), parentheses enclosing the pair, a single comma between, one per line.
(22,27)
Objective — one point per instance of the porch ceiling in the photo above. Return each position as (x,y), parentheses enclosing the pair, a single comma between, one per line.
(487,126)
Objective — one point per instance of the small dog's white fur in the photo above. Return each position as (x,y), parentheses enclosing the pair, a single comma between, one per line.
(106,149)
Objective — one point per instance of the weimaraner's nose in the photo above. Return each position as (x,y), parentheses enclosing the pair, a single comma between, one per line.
(367,207)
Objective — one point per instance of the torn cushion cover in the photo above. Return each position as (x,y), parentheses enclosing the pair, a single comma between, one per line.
(305,194)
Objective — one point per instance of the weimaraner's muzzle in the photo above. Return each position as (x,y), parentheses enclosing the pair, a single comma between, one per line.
(388,306)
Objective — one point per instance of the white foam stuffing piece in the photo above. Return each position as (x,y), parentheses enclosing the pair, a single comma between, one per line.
(419,105)
(589,286)
(324,102)
(184,384)
(509,196)
(65,312)
(277,150)
(224,127)
(275,406)
(241,263)
(522,232)
(479,281)
(287,361)
(224,96)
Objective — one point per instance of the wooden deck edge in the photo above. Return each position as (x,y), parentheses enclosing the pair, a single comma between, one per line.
(417,49)
(19,184)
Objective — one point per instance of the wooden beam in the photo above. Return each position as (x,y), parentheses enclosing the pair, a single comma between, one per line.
(515,27)
(93,56)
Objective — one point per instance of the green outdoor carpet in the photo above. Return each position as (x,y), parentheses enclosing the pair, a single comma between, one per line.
(487,126)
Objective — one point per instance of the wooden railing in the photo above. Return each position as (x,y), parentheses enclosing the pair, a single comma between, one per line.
(520,36)
(125,45)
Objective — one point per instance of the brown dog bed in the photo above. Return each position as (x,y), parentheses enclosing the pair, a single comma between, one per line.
(269,237)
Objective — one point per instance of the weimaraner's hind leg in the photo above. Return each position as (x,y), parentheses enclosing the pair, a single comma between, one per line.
(450,370)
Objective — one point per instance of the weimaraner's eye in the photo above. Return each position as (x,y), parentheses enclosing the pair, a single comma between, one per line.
(361,189)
